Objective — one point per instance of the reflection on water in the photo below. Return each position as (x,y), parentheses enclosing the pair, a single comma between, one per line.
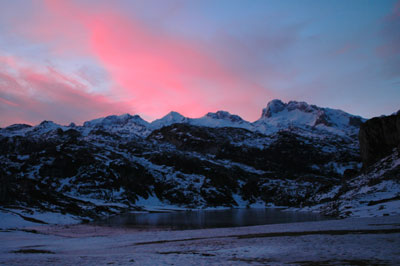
(210,218)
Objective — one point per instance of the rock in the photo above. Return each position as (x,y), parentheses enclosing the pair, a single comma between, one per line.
(322,119)
(378,137)
(274,106)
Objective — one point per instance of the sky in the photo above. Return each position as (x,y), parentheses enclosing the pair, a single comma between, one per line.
(72,61)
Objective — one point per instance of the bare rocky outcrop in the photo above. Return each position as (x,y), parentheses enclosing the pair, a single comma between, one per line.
(378,137)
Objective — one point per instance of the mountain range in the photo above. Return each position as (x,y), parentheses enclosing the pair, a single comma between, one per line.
(295,155)
(275,117)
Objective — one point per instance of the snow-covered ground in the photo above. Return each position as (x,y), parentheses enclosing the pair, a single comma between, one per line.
(352,241)
(14,218)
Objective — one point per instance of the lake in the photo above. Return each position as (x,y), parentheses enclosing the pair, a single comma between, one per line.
(198,219)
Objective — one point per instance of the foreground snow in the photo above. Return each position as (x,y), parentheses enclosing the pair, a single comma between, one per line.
(353,241)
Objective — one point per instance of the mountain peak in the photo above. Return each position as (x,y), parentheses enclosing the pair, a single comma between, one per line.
(302,106)
(16,127)
(46,123)
(114,120)
(279,115)
(169,119)
(224,115)
(274,106)
(173,115)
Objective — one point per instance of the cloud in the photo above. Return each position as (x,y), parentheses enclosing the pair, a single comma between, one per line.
(154,70)
(234,61)
(30,94)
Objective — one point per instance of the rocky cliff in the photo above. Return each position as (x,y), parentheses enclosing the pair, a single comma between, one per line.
(378,137)
(375,190)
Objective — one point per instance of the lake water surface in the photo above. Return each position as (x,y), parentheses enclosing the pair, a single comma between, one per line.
(211,218)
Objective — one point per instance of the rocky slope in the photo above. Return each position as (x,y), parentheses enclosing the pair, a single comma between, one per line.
(375,190)
(109,165)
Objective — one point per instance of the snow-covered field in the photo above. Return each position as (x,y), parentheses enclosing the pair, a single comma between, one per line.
(352,241)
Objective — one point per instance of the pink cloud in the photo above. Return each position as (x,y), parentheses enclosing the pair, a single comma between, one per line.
(5,101)
(30,94)
(155,72)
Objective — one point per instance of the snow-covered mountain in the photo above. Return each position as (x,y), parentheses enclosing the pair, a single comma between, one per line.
(169,119)
(275,117)
(31,131)
(15,130)
(293,152)
(217,119)
(124,125)
(299,117)
(221,119)
(280,116)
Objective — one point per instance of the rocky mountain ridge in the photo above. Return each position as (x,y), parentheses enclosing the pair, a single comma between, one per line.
(289,157)
(275,117)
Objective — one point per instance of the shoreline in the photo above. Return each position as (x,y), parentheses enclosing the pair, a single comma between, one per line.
(12,218)
(333,242)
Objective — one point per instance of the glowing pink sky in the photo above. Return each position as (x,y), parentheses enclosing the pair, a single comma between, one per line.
(71,61)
